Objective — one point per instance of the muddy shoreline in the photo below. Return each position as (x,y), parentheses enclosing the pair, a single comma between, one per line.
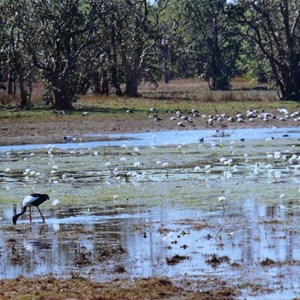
(19,132)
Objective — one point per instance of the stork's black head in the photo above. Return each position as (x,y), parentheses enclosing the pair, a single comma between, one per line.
(45,197)
(15,217)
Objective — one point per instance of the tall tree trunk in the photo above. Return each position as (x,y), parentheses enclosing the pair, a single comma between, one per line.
(23,93)
(96,83)
(164,55)
(63,93)
(115,82)
(220,80)
(21,81)
(11,84)
(105,84)
(131,87)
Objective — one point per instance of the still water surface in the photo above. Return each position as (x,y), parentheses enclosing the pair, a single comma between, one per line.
(108,226)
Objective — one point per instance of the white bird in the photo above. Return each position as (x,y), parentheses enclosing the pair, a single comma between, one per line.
(59,112)
(210,121)
(152,111)
(55,202)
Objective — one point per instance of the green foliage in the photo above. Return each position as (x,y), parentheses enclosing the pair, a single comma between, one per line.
(251,63)
(273,26)
(77,46)
(59,32)
(213,36)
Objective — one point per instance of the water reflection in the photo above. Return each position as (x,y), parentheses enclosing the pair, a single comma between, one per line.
(166,138)
(140,240)
(135,221)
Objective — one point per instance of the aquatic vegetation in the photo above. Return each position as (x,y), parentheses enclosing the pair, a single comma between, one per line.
(192,208)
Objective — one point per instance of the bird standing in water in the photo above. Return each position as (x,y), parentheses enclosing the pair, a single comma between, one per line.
(29,201)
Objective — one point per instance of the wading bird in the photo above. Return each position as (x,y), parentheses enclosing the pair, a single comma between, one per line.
(29,201)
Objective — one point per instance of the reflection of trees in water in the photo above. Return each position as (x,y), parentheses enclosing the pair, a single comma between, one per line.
(268,233)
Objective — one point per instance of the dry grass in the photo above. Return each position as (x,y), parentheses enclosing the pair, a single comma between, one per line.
(197,89)
(79,288)
(183,94)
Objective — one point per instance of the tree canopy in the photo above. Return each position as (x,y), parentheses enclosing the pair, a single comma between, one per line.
(75,46)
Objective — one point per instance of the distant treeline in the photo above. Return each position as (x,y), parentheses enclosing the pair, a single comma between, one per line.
(110,46)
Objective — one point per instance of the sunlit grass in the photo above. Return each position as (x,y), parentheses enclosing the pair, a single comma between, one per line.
(183,94)
(113,108)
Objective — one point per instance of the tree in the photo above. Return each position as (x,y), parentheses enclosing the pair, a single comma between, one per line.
(252,64)
(18,65)
(274,25)
(214,39)
(124,47)
(133,40)
(174,50)
(56,33)
(3,53)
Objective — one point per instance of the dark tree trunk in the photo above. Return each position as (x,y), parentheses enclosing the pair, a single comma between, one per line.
(164,56)
(104,84)
(96,83)
(61,101)
(115,82)
(131,87)
(23,94)
(11,86)
(220,80)
(112,54)
(289,92)
(64,94)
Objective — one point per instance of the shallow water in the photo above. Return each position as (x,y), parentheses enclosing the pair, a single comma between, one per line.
(156,211)
(167,138)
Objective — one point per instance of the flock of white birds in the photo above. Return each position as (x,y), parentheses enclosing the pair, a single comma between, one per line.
(251,115)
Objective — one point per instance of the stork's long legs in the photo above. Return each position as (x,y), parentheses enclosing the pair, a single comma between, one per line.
(30,214)
(41,214)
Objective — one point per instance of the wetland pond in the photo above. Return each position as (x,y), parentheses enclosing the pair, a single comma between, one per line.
(223,212)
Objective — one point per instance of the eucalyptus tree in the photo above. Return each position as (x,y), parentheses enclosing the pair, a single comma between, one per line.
(129,32)
(3,55)
(124,50)
(174,51)
(56,33)
(18,66)
(274,25)
(251,64)
(139,41)
(214,40)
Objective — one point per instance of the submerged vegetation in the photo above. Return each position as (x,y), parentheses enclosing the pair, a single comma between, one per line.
(197,206)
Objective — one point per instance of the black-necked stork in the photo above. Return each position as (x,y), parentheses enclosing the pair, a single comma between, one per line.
(29,201)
